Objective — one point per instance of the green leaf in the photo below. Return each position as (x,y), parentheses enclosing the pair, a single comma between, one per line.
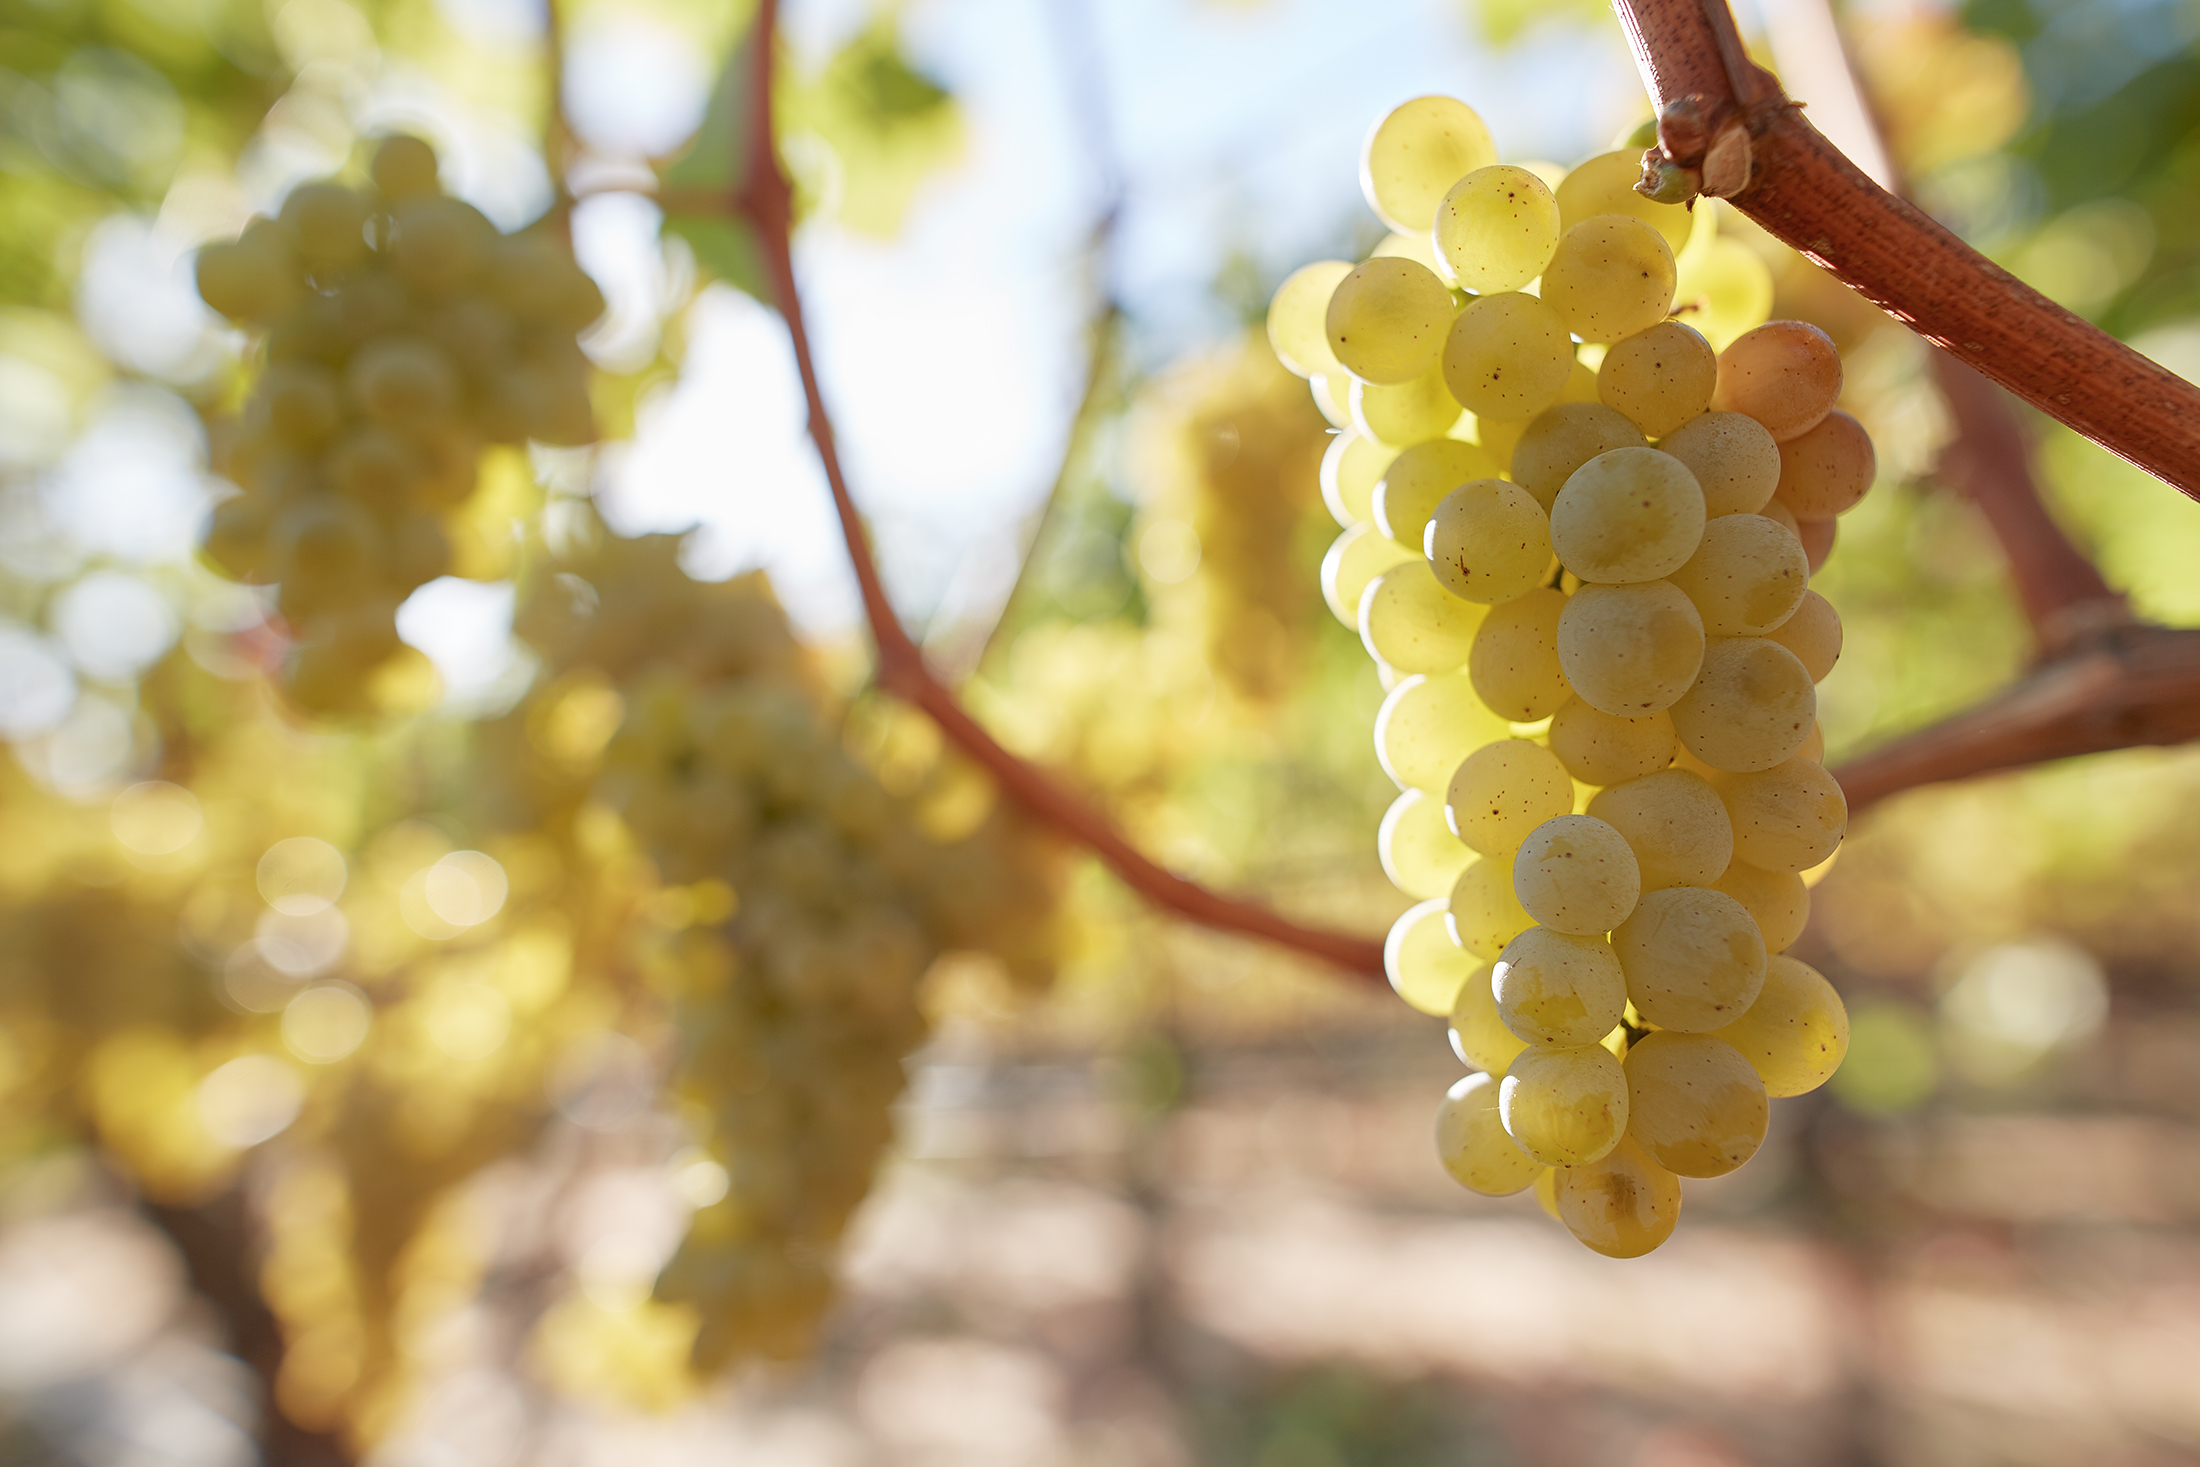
(716,166)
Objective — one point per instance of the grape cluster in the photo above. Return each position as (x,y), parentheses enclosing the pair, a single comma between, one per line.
(799,999)
(1587,589)
(403,335)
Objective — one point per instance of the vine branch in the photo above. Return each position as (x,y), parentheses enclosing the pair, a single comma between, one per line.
(765,198)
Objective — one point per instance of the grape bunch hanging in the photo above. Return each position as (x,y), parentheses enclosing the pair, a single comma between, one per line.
(402,335)
(1578,544)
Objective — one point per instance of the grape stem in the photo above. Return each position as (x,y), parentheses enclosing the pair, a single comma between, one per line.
(766,200)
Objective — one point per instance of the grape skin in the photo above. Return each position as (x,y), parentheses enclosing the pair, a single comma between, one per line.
(1659,379)
(1565,1107)
(1418,851)
(1415,153)
(1777,901)
(1507,356)
(1785,374)
(1751,708)
(1417,480)
(1484,914)
(1478,1033)
(1623,1206)
(1425,967)
(1354,559)
(1787,818)
(1503,791)
(1633,514)
(1828,470)
(1610,277)
(1410,622)
(1675,824)
(1514,662)
(1553,989)
(1496,228)
(1813,633)
(1797,1031)
(1598,749)
(1427,724)
(1473,1146)
(1630,650)
(1693,958)
(1386,320)
(1564,438)
(1575,874)
(1489,541)
(1298,329)
(1735,461)
(1694,1104)
(1746,577)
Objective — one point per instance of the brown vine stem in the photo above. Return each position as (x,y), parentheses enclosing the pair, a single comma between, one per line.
(765,198)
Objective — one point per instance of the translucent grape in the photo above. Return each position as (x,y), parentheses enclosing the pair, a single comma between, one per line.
(1418,479)
(1502,791)
(1827,470)
(329,223)
(1497,436)
(1787,818)
(1298,316)
(1660,378)
(1611,277)
(1693,958)
(1752,705)
(1484,914)
(1598,749)
(1386,320)
(1814,745)
(1565,1107)
(1694,1104)
(1415,154)
(1514,663)
(1778,901)
(1471,1141)
(404,167)
(1775,510)
(1507,356)
(1332,394)
(1633,514)
(1735,461)
(440,245)
(1402,413)
(1410,622)
(402,381)
(1817,537)
(1576,875)
(1674,823)
(1796,1032)
(1813,634)
(1478,1036)
(1418,248)
(1497,228)
(1556,990)
(1723,289)
(1427,724)
(1785,374)
(1422,962)
(1419,853)
(1352,466)
(1630,650)
(1564,438)
(1623,1206)
(1747,576)
(1606,185)
(1356,557)
(1489,541)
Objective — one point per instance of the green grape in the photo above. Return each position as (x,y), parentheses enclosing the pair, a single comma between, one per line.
(1427,724)
(1298,318)
(1489,541)
(1790,817)
(1418,248)
(1611,277)
(1332,393)
(1751,708)
(1622,1206)
(1507,356)
(375,467)
(1496,228)
(296,403)
(1674,823)
(1598,749)
(1357,557)
(1785,374)
(253,279)
(1352,466)
(1409,622)
(1630,650)
(1415,154)
(1777,901)
(1796,1032)
(1546,1192)
(324,545)
(1386,320)
(539,285)
(1735,461)
(1827,470)
(1723,289)
(1419,852)
(1478,1035)
(1606,185)
(404,167)
(1502,791)
(1746,578)
(1514,663)
(1660,378)
(1556,990)
(1565,1107)
(1693,958)
(1418,479)
(1813,634)
(1425,967)
(1575,874)
(1472,1144)
(1694,1104)
(439,244)
(1496,436)
(402,381)
(1633,514)
(1564,438)
(1581,383)
(1484,914)
(1402,413)
(329,222)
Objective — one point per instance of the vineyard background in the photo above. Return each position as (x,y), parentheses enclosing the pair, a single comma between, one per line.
(1181,1207)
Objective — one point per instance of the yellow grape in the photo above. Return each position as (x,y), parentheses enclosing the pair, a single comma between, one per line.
(1722,289)
(1606,185)
(1778,901)
(1546,1192)
(1427,724)
(1352,466)
(1633,514)
(1504,790)
(1408,621)
(1817,537)
(1514,663)
(1478,1035)
(1827,470)
(1489,541)
(1694,1104)
(1575,874)
(1790,817)
(1659,378)
(1785,374)
(1332,394)
(1814,745)
(1623,1206)
(1565,1107)
(1418,248)
(1813,634)
(1747,576)
(1416,481)
(1564,438)
(1598,749)
(1735,461)
(1415,154)
(1484,914)
(1554,990)
(1674,823)
(1471,1141)
(1497,228)
(1611,277)
(1298,317)
(1356,557)
(1497,436)
(1796,1032)
(1630,650)
(1401,413)
(1693,958)
(1386,320)
(1752,705)
(1425,967)
(1507,356)
(1419,852)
